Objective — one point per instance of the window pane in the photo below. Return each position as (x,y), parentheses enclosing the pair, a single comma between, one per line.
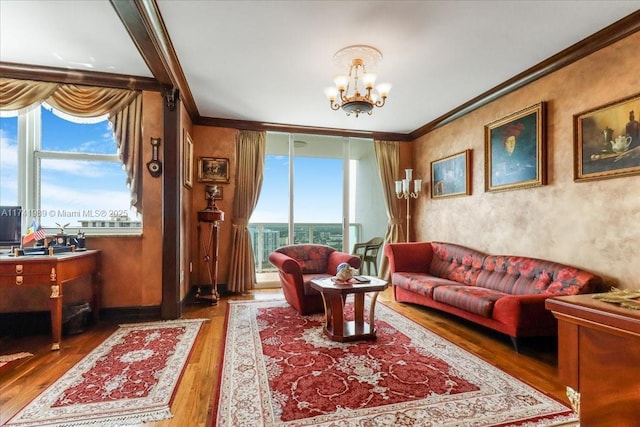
(84,194)
(8,160)
(63,135)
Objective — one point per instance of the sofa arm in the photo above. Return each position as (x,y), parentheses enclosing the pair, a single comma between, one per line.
(524,311)
(412,257)
(336,258)
(284,263)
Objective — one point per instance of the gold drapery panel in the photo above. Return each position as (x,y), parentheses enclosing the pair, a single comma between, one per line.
(123,106)
(250,154)
(388,157)
(127,129)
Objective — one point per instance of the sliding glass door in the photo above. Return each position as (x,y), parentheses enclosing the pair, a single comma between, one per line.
(316,189)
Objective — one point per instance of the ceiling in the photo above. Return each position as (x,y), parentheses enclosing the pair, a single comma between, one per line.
(269,61)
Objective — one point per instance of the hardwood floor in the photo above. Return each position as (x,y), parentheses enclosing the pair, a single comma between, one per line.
(192,405)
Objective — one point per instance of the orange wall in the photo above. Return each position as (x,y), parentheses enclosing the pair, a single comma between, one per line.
(594,225)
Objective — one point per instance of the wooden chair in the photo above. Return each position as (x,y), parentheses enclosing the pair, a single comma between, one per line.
(368,253)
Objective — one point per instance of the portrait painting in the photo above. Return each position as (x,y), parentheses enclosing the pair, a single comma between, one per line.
(515,150)
(211,169)
(451,176)
(607,141)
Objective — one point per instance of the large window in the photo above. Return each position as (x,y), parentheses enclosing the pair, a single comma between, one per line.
(65,172)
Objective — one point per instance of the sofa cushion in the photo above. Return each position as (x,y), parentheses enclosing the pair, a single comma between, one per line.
(419,283)
(457,263)
(469,298)
(529,276)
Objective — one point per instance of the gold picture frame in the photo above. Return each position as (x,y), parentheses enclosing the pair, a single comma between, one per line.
(515,150)
(451,176)
(607,141)
(187,166)
(212,169)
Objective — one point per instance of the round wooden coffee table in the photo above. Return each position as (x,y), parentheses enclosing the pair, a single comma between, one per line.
(334,296)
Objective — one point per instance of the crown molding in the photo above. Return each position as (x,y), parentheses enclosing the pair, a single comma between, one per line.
(603,38)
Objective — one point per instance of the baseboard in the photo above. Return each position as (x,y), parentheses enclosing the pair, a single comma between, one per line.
(130,314)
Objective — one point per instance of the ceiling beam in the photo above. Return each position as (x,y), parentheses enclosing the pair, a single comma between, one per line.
(145,26)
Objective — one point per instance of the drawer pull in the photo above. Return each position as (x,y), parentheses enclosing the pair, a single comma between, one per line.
(19,280)
(19,268)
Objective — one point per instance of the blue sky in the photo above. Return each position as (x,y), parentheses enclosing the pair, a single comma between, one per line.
(317,190)
(68,186)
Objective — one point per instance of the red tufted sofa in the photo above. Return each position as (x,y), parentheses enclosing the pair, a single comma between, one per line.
(501,292)
(299,264)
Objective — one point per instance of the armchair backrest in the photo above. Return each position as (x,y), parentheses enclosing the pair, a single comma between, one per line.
(311,258)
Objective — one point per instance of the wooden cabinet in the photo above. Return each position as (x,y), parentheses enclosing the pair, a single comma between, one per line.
(599,358)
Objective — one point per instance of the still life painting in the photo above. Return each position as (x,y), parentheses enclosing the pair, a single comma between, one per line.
(515,150)
(607,141)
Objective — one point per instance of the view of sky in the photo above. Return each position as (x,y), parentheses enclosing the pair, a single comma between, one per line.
(70,189)
(317,190)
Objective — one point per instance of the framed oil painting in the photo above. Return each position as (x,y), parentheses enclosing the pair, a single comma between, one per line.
(211,169)
(451,176)
(515,150)
(187,167)
(607,141)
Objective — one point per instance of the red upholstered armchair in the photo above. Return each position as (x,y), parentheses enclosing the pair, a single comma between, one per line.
(299,264)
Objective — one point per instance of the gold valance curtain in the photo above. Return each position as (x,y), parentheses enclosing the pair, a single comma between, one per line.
(124,108)
(388,157)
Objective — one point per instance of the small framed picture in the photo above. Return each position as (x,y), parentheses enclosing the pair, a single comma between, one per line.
(213,192)
(187,167)
(451,176)
(515,150)
(211,169)
(607,141)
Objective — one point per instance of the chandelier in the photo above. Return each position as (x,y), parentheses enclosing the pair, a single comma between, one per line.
(346,93)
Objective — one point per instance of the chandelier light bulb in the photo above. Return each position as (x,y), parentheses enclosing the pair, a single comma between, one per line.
(331,93)
(383,89)
(368,79)
(341,82)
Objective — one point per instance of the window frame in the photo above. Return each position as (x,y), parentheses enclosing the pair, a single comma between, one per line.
(30,156)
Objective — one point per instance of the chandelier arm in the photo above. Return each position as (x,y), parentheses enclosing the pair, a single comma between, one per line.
(380,102)
(334,105)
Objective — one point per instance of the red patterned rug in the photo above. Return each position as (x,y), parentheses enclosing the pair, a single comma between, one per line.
(130,378)
(7,359)
(280,370)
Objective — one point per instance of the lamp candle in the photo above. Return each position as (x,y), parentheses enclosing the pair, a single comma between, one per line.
(398,187)
(408,174)
(405,185)
(417,184)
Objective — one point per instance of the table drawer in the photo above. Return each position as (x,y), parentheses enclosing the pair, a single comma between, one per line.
(24,269)
(21,280)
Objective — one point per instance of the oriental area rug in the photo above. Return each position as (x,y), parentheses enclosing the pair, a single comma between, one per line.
(280,369)
(6,359)
(128,379)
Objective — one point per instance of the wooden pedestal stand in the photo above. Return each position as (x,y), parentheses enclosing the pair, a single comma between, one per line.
(211,216)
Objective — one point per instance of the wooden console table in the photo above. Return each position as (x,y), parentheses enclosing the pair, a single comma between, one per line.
(54,271)
(599,359)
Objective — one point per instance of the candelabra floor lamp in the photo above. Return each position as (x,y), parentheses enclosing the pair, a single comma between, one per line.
(403,192)
(211,216)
